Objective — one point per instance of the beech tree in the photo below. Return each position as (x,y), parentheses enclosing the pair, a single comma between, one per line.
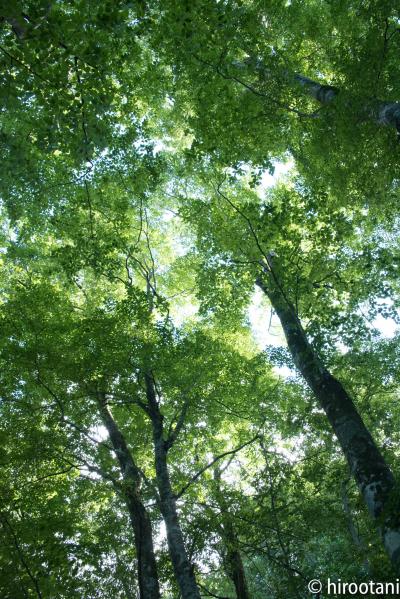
(152,445)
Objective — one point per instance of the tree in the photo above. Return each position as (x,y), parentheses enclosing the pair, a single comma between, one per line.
(376,482)
(134,233)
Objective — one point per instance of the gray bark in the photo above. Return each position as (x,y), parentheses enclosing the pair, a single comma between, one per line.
(140,520)
(381,112)
(183,569)
(371,473)
(320,92)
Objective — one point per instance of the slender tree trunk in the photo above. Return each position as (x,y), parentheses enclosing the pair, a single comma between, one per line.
(373,476)
(233,559)
(140,520)
(357,539)
(182,568)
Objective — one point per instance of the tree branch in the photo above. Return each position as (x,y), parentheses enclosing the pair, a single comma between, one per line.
(5,521)
(210,594)
(210,464)
(178,427)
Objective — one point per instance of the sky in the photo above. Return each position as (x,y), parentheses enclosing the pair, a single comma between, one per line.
(265,326)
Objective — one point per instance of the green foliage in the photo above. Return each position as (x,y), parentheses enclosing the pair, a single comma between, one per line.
(136,139)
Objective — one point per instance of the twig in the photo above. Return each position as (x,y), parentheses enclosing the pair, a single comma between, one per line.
(210,594)
(216,459)
(21,556)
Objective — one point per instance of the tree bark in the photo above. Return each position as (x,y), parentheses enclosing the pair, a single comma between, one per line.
(381,112)
(233,559)
(140,520)
(373,476)
(182,568)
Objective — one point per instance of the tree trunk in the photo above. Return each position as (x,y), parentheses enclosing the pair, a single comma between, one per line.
(140,520)
(357,540)
(182,568)
(233,560)
(383,113)
(380,111)
(373,477)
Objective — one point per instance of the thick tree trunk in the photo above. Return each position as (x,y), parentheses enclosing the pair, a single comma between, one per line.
(383,113)
(380,111)
(233,560)
(373,476)
(182,568)
(140,520)
(237,574)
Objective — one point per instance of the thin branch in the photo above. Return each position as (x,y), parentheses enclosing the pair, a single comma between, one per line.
(210,464)
(21,556)
(246,218)
(50,475)
(258,93)
(121,400)
(53,395)
(89,202)
(271,555)
(27,67)
(152,271)
(104,475)
(66,421)
(266,263)
(226,466)
(83,113)
(210,594)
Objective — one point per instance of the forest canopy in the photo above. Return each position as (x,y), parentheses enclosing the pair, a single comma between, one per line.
(199,298)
